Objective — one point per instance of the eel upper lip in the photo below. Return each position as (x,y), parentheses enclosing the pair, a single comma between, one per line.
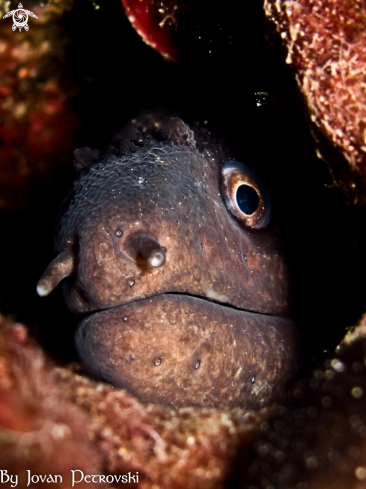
(192,296)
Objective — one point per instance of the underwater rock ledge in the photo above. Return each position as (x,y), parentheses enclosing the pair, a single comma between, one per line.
(325,42)
(37,124)
(54,420)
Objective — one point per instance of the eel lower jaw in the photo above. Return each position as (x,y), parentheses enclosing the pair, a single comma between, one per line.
(179,350)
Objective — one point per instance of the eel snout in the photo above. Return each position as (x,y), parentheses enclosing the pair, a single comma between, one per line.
(179,350)
(140,247)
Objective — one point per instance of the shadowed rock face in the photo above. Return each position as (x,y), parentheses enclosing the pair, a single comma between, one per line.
(329,452)
(174,242)
(316,438)
(325,42)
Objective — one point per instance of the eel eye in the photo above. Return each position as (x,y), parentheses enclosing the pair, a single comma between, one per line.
(245,194)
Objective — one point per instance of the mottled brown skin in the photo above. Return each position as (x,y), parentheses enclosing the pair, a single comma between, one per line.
(190,348)
(179,203)
(53,420)
(168,194)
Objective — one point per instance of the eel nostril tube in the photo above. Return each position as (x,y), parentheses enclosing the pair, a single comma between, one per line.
(59,268)
(145,250)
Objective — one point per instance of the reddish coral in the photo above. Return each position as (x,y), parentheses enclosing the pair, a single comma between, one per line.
(37,127)
(40,430)
(326,41)
(155,22)
(54,421)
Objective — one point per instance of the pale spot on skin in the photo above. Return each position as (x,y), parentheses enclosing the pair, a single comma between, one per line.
(211,294)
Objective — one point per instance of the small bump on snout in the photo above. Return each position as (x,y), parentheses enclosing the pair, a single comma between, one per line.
(197,366)
(157,362)
(145,250)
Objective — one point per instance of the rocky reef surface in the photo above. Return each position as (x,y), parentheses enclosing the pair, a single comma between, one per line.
(53,418)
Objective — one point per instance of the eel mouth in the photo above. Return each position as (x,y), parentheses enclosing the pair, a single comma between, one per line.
(210,298)
(180,350)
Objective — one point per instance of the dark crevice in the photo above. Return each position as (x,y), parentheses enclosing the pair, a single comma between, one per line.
(118,76)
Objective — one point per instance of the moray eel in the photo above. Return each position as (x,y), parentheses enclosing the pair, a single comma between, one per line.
(165,244)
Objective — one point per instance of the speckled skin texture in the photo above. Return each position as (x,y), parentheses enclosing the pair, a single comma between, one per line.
(190,350)
(168,192)
(53,420)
